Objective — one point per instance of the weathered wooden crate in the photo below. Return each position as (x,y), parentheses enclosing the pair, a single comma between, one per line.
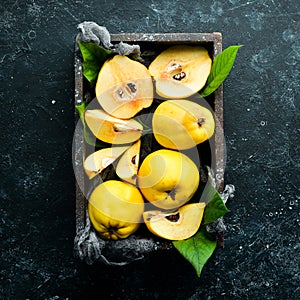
(150,42)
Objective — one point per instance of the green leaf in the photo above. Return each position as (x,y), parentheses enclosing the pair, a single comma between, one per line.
(215,207)
(81,108)
(197,249)
(221,67)
(94,57)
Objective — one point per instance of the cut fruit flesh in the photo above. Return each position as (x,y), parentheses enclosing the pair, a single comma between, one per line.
(178,225)
(181,71)
(99,160)
(127,166)
(112,130)
(124,87)
(182,124)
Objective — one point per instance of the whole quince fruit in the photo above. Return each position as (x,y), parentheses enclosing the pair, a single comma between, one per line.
(182,124)
(124,87)
(168,179)
(181,71)
(178,225)
(115,209)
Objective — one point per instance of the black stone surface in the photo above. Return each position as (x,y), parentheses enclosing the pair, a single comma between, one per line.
(261,98)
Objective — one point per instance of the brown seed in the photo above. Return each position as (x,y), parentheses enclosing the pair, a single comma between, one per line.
(173,218)
(179,76)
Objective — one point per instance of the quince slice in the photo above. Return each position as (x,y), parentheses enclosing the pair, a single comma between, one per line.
(178,225)
(112,130)
(96,162)
(181,71)
(127,166)
(124,87)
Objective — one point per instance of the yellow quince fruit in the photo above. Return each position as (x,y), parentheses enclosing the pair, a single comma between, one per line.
(178,225)
(110,129)
(124,87)
(182,124)
(115,209)
(181,71)
(168,179)
(128,164)
(96,162)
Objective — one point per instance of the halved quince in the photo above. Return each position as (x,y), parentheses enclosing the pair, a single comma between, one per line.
(127,166)
(96,162)
(112,130)
(181,71)
(178,225)
(182,124)
(124,87)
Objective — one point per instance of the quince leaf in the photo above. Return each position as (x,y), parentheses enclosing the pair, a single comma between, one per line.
(94,57)
(197,249)
(221,67)
(215,207)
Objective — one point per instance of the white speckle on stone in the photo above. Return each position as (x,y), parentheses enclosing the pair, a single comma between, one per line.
(53,101)
(263,123)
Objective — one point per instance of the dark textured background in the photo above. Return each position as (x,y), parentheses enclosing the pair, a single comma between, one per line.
(261,104)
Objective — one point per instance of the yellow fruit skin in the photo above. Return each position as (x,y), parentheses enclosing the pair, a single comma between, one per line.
(124,87)
(194,61)
(168,179)
(115,209)
(189,220)
(176,124)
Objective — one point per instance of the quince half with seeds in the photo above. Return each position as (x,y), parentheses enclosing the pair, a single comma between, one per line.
(124,87)
(127,166)
(178,225)
(112,130)
(115,209)
(96,162)
(182,124)
(181,71)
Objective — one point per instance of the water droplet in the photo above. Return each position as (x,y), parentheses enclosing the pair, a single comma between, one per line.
(31,34)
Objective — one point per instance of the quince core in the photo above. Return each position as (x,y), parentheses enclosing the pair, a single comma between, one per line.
(124,87)
(181,71)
